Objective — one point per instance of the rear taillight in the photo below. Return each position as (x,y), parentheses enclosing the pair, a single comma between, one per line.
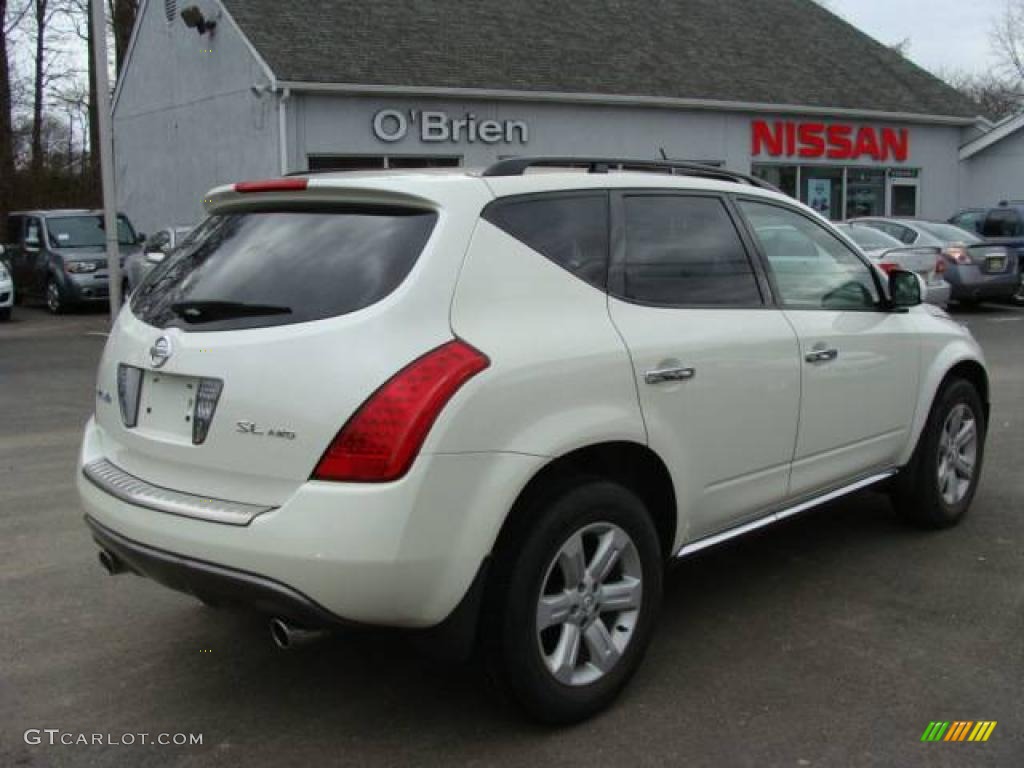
(940,266)
(206,405)
(381,440)
(957,255)
(888,267)
(272,185)
(129,386)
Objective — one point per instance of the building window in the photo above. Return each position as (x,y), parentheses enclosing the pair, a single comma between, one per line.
(822,189)
(841,193)
(378,162)
(783,177)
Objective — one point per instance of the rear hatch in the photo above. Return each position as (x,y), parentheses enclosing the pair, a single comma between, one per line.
(992,259)
(243,354)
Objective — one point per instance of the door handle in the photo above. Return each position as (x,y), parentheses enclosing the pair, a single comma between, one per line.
(822,355)
(669,374)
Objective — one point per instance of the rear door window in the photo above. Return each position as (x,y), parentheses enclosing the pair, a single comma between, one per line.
(570,230)
(685,251)
(268,268)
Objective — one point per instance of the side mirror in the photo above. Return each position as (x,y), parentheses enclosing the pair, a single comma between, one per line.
(155,257)
(905,289)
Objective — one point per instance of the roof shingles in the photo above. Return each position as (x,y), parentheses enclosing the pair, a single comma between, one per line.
(787,52)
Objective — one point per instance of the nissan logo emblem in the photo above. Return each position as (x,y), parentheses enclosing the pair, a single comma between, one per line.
(161,351)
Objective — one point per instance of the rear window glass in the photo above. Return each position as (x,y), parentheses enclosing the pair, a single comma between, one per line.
(260,269)
(867,237)
(1003,223)
(949,232)
(571,231)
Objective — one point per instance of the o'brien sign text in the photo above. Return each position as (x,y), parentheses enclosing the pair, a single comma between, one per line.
(393,125)
(836,141)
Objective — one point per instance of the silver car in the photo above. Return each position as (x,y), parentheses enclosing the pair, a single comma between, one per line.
(155,250)
(976,270)
(889,253)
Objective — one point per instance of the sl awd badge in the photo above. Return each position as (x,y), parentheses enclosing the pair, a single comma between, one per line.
(250,428)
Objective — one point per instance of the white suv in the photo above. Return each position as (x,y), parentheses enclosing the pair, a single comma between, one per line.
(507,400)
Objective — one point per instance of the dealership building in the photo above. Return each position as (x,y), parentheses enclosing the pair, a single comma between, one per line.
(217,91)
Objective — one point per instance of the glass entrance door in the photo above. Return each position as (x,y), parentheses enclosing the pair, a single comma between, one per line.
(904,198)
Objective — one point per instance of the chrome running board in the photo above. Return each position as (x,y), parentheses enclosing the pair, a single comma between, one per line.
(775,517)
(132,490)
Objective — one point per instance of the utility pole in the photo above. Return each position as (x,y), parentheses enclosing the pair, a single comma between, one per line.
(106,153)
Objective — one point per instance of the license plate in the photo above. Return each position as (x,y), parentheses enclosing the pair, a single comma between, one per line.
(996,263)
(167,404)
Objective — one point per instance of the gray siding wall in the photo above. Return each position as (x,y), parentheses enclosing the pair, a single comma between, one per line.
(994,174)
(187,119)
(329,124)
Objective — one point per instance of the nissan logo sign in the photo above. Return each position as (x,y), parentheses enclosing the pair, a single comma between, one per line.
(161,351)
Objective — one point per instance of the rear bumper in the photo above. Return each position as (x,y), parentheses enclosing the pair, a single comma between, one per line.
(400,554)
(970,283)
(213,582)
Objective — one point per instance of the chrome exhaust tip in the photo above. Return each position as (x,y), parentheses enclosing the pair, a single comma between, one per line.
(112,563)
(287,637)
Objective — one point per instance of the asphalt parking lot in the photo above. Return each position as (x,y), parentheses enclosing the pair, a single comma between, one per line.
(832,640)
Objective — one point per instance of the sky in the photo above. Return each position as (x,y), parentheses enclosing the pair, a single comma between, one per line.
(944,34)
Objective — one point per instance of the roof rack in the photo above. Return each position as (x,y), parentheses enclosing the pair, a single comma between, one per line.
(517,166)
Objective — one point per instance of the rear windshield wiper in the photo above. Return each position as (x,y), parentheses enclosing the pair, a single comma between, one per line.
(211,311)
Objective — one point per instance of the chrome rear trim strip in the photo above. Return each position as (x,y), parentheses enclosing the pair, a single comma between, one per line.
(775,517)
(132,490)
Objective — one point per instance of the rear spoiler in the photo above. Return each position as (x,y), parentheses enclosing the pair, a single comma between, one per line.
(919,250)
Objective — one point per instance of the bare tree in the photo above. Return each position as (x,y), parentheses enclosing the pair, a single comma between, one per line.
(996,97)
(1007,38)
(42,21)
(49,67)
(11,15)
(122,20)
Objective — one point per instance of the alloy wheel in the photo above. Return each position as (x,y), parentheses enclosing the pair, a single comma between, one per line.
(958,454)
(53,297)
(589,604)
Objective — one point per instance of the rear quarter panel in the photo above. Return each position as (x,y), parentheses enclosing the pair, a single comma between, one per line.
(560,376)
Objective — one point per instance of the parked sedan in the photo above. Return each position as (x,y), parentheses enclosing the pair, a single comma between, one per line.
(6,289)
(976,270)
(155,250)
(889,254)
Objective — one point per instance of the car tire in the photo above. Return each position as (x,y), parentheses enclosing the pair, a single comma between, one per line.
(5,314)
(936,488)
(601,610)
(54,298)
